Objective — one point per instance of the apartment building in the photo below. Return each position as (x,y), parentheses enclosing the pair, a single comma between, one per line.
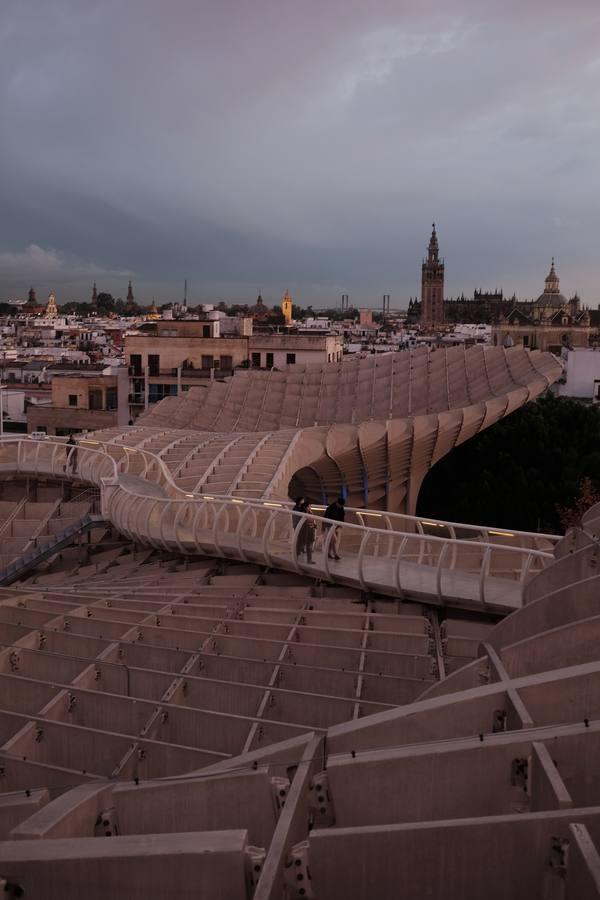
(168,357)
(84,401)
(268,351)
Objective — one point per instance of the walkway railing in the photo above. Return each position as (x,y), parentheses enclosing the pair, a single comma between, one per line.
(147,465)
(57,542)
(409,562)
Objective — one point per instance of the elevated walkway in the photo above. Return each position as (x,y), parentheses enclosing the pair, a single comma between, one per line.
(401,556)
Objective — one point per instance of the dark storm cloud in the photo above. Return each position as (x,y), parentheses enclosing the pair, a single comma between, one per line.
(304,145)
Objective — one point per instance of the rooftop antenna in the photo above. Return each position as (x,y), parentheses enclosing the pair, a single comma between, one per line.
(185,293)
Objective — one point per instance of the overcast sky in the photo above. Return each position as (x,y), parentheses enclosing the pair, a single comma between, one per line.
(272,144)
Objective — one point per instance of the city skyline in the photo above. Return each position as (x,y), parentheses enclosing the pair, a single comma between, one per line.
(312,152)
(270,297)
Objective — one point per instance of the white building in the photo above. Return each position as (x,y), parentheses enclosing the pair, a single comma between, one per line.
(581,377)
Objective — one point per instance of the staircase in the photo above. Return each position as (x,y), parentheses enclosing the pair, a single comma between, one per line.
(36,555)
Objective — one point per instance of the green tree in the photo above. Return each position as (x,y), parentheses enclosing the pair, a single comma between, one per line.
(522,472)
(572,515)
(105,303)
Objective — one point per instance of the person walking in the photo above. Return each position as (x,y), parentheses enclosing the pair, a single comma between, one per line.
(71,454)
(306,533)
(294,519)
(337,512)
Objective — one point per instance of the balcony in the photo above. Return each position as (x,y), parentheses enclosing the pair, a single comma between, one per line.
(187,374)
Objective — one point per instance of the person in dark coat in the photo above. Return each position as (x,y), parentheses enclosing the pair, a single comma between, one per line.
(71,454)
(306,534)
(337,512)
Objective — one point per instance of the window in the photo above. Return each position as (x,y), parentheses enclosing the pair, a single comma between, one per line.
(111,398)
(269,360)
(227,363)
(135,361)
(94,399)
(256,360)
(72,400)
(156,392)
(153,364)
(290,359)
(207,362)
(206,331)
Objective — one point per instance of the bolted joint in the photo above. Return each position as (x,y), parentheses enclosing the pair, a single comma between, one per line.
(296,875)
(280,788)
(107,823)
(499,721)
(320,800)
(519,772)
(558,858)
(255,860)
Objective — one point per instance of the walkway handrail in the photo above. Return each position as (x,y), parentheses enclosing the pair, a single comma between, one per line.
(167,517)
(233,535)
(389,517)
(284,506)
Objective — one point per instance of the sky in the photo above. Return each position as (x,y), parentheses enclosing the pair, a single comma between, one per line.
(268,145)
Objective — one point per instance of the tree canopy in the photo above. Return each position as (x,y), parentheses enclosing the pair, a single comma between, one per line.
(521,473)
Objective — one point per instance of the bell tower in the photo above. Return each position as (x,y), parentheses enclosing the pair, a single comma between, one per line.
(432,284)
(286,308)
(51,309)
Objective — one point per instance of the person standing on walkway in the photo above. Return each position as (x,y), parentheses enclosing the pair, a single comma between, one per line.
(294,519)
(71,454)
(337,512)
(307,532)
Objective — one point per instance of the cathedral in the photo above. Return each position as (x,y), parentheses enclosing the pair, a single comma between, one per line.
(432,284)
(549,323)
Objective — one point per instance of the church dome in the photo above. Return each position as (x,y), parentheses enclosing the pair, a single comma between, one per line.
(552,295)
(555,300)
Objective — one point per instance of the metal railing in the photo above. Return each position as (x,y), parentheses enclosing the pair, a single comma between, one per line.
(44,551)
(401,562)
